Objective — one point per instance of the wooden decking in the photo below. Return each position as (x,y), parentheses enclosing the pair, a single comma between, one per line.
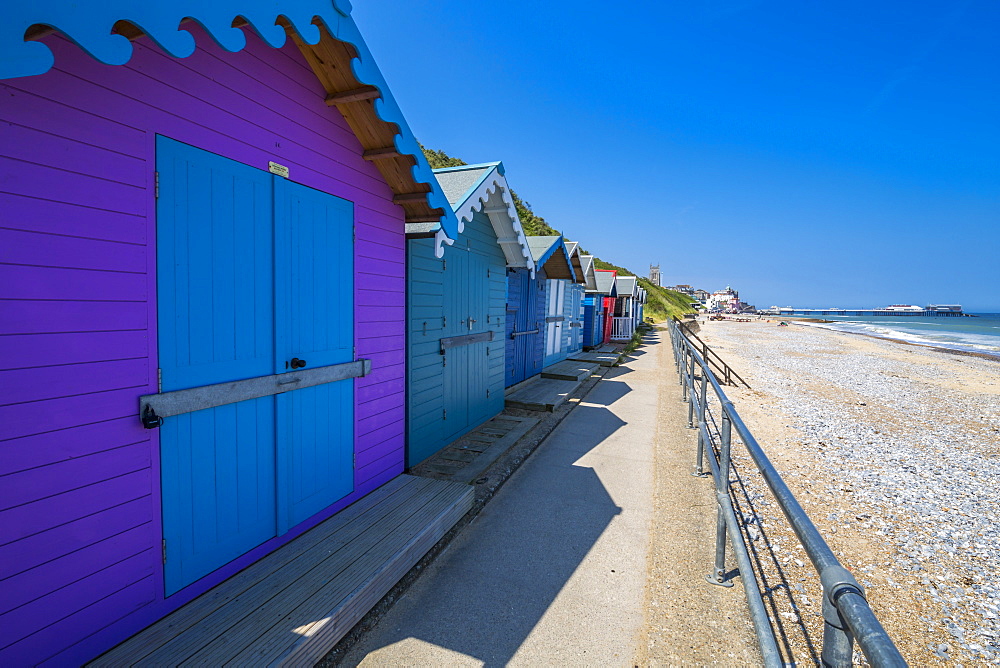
(294,605)
(604,359)
(570,370)
(466,458)
(542,394)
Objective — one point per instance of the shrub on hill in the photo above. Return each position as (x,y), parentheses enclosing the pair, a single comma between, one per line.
(532,224)
(661,304)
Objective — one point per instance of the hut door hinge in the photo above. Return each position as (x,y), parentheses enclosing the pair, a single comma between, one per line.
(444,413)
(164,550)
(159,380)
(354,232)
(444,360)
(156,185)
(444,264)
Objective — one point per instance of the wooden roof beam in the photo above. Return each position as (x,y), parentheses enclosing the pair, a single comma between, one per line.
(355,95)
(386,153)
(409,198)
(423,219)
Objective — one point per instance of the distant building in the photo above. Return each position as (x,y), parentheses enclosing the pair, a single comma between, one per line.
(701,295)
(725,301)
(654,274)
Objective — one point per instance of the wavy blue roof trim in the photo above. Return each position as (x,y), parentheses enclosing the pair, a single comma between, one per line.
(366,71)
(89,23)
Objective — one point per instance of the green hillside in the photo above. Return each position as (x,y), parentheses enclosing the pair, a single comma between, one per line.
(661,303)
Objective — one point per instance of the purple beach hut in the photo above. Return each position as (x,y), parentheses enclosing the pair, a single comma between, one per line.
(202,307)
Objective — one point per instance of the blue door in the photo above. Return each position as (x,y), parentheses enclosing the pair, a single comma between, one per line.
(575,316)
(314,289)
(556,322)
(466,367)
(525,332)
(252,270)
(478,291)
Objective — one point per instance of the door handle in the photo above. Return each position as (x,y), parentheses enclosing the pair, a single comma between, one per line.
(472,320)
(296,363)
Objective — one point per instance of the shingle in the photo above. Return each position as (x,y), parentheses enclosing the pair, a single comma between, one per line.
(456,182)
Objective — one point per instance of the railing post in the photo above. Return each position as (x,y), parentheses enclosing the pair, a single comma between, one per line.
(704,387)
(718,574)
(699,466)
(681,351)
(838,643)
(691,391)
(684,371)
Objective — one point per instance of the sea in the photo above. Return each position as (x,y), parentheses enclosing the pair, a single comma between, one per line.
(980,334)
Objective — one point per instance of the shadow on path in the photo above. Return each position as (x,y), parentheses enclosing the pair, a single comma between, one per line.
(485,595)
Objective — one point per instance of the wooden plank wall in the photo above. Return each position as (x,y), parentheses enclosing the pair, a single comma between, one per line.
(79,478)
(428,285)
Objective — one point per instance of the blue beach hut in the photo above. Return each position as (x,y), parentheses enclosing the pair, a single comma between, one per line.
(456,320)
(552,257)
(593,305)
(573,303)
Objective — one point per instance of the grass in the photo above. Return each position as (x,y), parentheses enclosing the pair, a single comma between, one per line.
(662,304)
(640,331)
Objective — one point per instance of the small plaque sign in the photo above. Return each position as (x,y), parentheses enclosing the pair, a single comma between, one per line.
(279,170)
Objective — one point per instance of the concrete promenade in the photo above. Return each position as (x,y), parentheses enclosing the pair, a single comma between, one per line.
(554,570)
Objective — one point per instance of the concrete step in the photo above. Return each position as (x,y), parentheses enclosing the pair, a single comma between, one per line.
(570,370)
(544,394)
(604,359)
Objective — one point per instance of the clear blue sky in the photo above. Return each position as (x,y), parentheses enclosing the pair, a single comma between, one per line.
(806,153)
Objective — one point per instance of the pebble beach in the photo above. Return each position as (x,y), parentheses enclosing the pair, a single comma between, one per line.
(894,451)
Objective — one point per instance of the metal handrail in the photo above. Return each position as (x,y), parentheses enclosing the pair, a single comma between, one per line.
(720,364)
(846,613)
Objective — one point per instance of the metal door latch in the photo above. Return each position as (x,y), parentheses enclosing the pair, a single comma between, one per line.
(297,363)
(150,420)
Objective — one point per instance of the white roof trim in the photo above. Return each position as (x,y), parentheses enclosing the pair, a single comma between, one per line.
(440,239)
(503,218)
